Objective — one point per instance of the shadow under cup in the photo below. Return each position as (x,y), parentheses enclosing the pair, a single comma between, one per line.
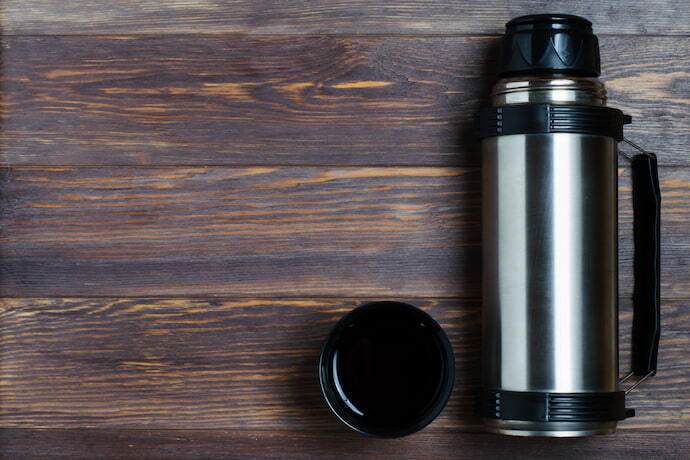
(387,369)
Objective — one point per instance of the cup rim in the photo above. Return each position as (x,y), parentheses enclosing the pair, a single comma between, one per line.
(339,408)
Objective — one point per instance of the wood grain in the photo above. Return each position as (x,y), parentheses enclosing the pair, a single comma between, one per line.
(203,444)
(264,231)
(332,16)
(236,100)
(244,363)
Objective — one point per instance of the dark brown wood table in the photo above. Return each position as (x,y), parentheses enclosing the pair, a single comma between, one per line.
(193,192)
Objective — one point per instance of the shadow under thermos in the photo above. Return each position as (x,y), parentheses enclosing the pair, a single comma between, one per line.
(550,242)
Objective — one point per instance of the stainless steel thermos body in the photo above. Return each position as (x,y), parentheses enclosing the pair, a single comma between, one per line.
(550,268)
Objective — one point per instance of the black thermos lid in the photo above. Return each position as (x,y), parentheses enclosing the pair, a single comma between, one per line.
(549,44)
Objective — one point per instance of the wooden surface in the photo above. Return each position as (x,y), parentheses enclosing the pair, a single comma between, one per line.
(317,231)
(243,363)
(317,100)
(664,17)
(193,192)
(204,444)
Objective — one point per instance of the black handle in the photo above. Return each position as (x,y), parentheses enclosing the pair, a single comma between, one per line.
(647,264)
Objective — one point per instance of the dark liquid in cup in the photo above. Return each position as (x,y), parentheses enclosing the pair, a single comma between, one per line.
(389,365)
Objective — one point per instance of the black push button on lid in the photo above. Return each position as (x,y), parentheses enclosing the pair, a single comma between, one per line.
(549,44)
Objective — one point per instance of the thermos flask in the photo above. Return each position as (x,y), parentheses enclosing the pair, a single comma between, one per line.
(550,238)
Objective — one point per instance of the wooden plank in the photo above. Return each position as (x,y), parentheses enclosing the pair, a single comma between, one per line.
(666,17)
(330,100)
(264,231)
(244,363)
(203,444)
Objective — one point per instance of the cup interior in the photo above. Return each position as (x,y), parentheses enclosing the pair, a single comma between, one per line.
(387,369)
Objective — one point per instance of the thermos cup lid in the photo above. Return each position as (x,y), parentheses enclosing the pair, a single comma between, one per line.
(387,369)
(549,44)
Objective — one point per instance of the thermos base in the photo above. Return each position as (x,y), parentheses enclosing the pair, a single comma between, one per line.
(549,429)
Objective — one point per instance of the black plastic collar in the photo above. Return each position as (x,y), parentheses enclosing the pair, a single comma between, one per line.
(554,407)
(552,118)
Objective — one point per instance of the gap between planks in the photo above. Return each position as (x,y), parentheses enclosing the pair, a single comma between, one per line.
(401,297)
(315,34)
(623,164)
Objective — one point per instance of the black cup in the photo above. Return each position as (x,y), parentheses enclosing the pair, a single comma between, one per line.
(387,369)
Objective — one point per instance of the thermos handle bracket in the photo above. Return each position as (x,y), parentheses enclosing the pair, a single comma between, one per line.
(647,265)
